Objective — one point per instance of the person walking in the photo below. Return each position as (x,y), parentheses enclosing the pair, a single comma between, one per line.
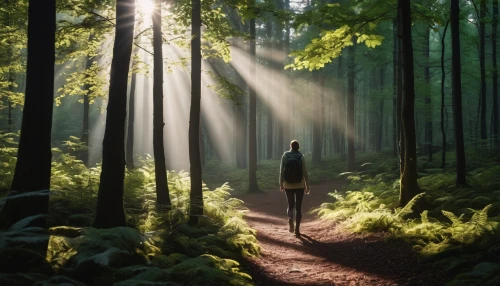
(294,181)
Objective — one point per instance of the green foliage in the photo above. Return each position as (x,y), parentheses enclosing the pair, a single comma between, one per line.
(354,22)
(8,159)
(13,41)
(372,208)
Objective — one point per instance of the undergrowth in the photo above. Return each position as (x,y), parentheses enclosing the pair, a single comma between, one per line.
(459,230)
(206,253)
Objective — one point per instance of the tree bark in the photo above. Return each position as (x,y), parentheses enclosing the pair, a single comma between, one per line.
(162,193)
(319,117)
(33,166)
(399,99)
(428,102)
(351,129)
(130,125)
(337,107)
(381,114)
(395,73)
(196,194)
(109,209)
(443,107)
(252,120)
(456,83)
(409,185)
(494,32)
(482,12)
(270,121)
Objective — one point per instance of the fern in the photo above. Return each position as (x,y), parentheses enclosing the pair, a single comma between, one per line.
(424,217)
(406,210)
(25,222)
(454,219)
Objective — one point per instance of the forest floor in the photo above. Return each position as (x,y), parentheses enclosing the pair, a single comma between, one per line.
(325,254)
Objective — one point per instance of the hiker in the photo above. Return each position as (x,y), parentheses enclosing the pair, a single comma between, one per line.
(294,180)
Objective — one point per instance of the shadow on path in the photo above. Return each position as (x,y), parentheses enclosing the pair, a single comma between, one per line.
(324,254)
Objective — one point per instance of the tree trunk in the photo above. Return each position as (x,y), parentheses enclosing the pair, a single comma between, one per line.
(196,194)
(351,130)
(456,84)
(395,73)
(252,132)
(443,107)
(381,114)
(130,125)
(109,209)
(482,12)
(337,107)
(270,121)
(162,193)
(495,115)
(319,117)
(409,185)
(428,103)
(33,166)
(286,126)
(399,99)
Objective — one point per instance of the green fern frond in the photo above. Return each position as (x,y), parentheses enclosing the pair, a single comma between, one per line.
(406,210)
(454,219)
(424,217)
(481,217)
(40,193)
(25,222)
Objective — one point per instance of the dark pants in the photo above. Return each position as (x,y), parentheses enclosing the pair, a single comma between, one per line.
(294,198)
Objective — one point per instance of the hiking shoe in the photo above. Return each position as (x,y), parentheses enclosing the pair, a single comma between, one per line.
(290,223)
(297,232)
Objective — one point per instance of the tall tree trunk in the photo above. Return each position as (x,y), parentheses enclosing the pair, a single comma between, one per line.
(319,117)
(395,73)
(196,194)
(351,131)
(272,65)
(337,107)
(482,12)
(240,113)
(162,193)
(495,115)
(252,120)
(456,84)
(109,209)
(428,103)
(409,185)
(130,125)
(399,99)
(286,126)
(35,140)
(381,114)
(443,107)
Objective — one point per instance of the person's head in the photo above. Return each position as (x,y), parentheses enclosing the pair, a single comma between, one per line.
(294,145)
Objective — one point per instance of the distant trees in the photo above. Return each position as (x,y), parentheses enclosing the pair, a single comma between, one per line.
(252,117)
(109,209)
(350,131)
(495,117)
(456,89)
(162,193)
(196,194)
(409,186)
(33,167)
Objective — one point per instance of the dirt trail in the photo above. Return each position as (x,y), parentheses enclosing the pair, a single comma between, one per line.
(324,254)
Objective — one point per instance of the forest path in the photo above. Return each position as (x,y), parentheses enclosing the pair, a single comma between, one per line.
(324,254)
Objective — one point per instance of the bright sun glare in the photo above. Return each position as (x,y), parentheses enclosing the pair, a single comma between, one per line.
(145,7)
